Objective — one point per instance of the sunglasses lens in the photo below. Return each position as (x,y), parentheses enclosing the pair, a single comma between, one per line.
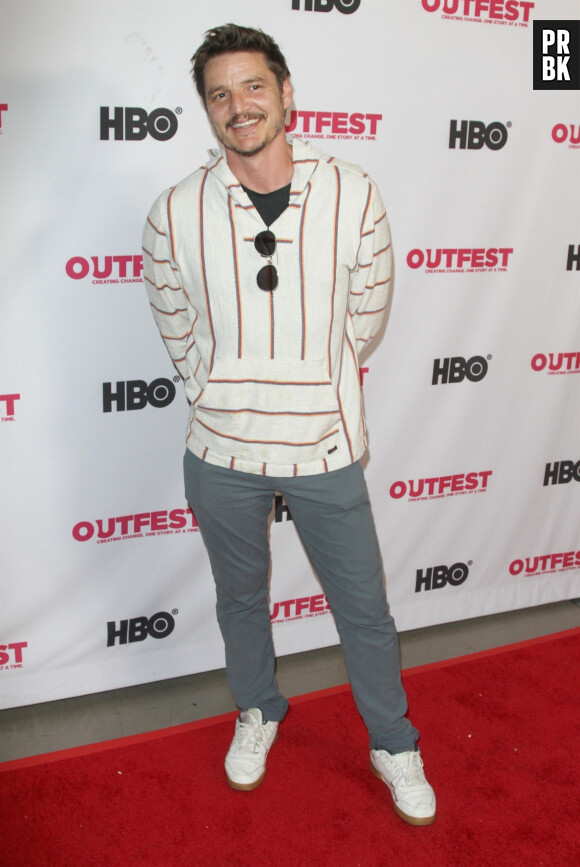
(265,243)
(267,278)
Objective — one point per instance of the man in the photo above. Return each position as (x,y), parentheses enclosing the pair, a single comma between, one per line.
(267,270)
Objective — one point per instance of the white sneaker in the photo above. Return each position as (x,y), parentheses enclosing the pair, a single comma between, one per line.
(246,758)
(413,797)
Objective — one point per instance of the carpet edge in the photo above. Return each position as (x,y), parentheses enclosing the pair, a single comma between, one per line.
(157,734)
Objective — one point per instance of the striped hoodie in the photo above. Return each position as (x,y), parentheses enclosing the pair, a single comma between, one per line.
(271,377)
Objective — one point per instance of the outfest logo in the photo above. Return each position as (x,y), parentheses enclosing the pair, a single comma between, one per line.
(106,269)
(506,12)
(460,260)
(545,564)
(302,608)
(570,133)
(8,406)
(437,487)
(124,527)
(333,124)
(11,655)
(556,363)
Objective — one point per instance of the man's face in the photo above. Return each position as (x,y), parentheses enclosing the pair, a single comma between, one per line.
(244,102)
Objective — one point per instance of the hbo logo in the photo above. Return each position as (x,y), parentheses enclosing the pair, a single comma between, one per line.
(473,135)
(136,394)
(347,7)
(457,369)
(561,473)
(438,576)
(134,124)
(160,625)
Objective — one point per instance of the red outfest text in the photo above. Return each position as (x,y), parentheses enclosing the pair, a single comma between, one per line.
(333,124)
(106,269)
(546,563)
(563,132)
(441,486)
(460,258)
(9,401)
(557,362)
(136,526)
(490,10)
(297,609)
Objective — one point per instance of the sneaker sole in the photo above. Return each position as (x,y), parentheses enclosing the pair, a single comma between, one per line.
(247,787)
(412,820)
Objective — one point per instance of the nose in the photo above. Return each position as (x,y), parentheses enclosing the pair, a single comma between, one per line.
(237,102)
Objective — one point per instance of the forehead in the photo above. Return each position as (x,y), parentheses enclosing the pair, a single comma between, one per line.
(235,66)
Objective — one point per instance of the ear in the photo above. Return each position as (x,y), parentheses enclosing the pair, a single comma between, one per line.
(286,92)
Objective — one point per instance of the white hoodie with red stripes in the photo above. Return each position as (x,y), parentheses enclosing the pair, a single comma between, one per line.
(271,377)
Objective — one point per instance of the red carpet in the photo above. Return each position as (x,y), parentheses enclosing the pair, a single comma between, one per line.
(500,739)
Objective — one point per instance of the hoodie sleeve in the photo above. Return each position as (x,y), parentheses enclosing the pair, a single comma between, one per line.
(371,279)
(169,302)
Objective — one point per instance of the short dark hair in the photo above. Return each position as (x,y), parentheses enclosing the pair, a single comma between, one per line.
(233,37)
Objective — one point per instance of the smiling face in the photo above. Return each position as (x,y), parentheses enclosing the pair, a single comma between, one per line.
(244,101)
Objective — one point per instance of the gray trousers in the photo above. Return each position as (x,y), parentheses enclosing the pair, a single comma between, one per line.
(332,514)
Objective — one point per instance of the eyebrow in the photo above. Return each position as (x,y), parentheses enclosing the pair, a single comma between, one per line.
(257,79)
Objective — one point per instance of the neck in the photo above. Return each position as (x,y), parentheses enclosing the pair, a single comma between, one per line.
(268,170)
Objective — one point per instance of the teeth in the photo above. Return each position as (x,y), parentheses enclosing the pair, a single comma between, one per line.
(245,123)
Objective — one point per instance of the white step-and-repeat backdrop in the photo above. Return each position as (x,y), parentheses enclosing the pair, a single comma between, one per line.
(472,396)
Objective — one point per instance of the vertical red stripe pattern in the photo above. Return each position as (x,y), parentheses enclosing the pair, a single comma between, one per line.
(302,282)
(236,274)
(203,266)
(334,264)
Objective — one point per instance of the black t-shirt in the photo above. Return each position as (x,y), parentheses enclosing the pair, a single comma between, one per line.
(270,205)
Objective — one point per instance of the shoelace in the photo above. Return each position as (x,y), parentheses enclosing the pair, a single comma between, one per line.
(250,736)
(407,770)
(413,773)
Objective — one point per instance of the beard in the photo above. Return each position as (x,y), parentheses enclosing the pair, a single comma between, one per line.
(250,149)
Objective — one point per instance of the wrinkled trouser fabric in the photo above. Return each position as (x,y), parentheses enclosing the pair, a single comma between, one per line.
(332,514)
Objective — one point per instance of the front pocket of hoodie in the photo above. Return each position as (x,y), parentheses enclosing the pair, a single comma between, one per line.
(283,412)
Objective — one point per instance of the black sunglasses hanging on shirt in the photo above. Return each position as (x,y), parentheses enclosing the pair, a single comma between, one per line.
(265,244)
